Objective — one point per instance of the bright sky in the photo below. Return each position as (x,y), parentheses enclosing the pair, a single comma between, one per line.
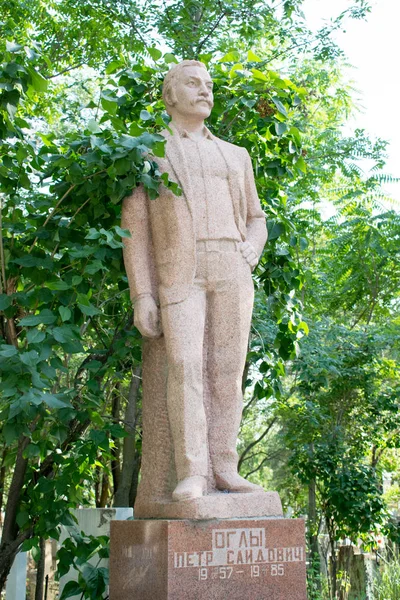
(373,49)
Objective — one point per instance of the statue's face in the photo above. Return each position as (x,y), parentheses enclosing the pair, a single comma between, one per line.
(193,93)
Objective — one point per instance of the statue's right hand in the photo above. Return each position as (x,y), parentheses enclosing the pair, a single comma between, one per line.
(147,317)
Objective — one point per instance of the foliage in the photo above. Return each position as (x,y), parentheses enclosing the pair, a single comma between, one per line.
(66,313)
(84,553)
(345,402)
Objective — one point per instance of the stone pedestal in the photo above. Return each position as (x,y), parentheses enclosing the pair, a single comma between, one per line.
(235,559)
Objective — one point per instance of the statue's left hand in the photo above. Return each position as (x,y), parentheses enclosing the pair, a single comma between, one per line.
(249,253)
(147,317)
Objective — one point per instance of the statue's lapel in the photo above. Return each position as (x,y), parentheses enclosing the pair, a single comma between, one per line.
(176,157)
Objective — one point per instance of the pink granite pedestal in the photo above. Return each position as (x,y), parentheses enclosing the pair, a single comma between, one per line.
(233,559)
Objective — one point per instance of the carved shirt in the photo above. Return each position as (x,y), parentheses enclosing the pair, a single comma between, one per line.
(213,209)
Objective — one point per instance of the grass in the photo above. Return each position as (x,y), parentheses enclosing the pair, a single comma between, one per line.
(387,586)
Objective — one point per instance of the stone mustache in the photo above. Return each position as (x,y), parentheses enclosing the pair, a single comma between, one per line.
(189,262)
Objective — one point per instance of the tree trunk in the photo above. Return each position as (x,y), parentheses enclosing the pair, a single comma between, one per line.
(115,450)
(10,528)
(40,570)
(2,482)
(8,552)
(312,517)
(130,460)
(313,532)
(97,486)
(333,564)
(135,479)
(105,488)
(9,540)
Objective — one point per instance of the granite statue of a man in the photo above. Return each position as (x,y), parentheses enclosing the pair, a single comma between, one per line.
(189,264)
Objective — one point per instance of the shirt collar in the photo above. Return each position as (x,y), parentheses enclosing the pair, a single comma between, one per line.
(186,134)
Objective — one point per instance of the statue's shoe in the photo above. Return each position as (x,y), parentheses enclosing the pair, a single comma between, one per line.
(232,482)
(189,488)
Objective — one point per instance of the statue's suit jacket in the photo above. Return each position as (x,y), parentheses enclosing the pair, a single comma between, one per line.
(160,257)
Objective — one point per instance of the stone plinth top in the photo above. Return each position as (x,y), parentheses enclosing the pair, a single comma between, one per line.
(213,506)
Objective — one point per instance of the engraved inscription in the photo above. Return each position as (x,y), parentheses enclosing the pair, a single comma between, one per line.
(235,549)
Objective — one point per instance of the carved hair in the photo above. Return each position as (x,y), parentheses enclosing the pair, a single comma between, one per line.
(168,93)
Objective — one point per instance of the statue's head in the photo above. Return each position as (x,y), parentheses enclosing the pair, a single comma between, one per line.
(187,90)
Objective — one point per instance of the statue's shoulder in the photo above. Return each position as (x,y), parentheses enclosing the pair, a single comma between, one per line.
(239,150)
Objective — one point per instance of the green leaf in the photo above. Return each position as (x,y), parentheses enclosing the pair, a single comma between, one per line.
(275,230)
(17,407)
(94,127)
(29,544)
(170,58)
(124,233)
(53,401)
(109,105)
(7,351)
(96,579)
(45,317)
(233,56)
(71,588)
(248,102)
(64,334)
(113,66)
(39,83)
(251,57)
(5,301)
(145,115)
(303,325)
(236,67)
(12,110)
(301,165)
(59,284)
(89,310)
(30,359)
(31,54)
(13,46)
(23,516)
(64,312)
(280,128)
(32,450)
(258,75)
(154,53)
(34,336)
(303,243)
(86,307)
(34,261)
(100,438)
(279,106)
(10,433)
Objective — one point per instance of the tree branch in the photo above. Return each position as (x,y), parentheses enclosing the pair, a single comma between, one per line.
(255,442)
(66,70)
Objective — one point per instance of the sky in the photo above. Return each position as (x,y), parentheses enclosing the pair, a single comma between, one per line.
(372,48)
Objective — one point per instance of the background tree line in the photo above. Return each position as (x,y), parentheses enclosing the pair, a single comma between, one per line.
(80,113)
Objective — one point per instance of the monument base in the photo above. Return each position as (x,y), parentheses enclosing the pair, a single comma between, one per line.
(218,505)
(239,559)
